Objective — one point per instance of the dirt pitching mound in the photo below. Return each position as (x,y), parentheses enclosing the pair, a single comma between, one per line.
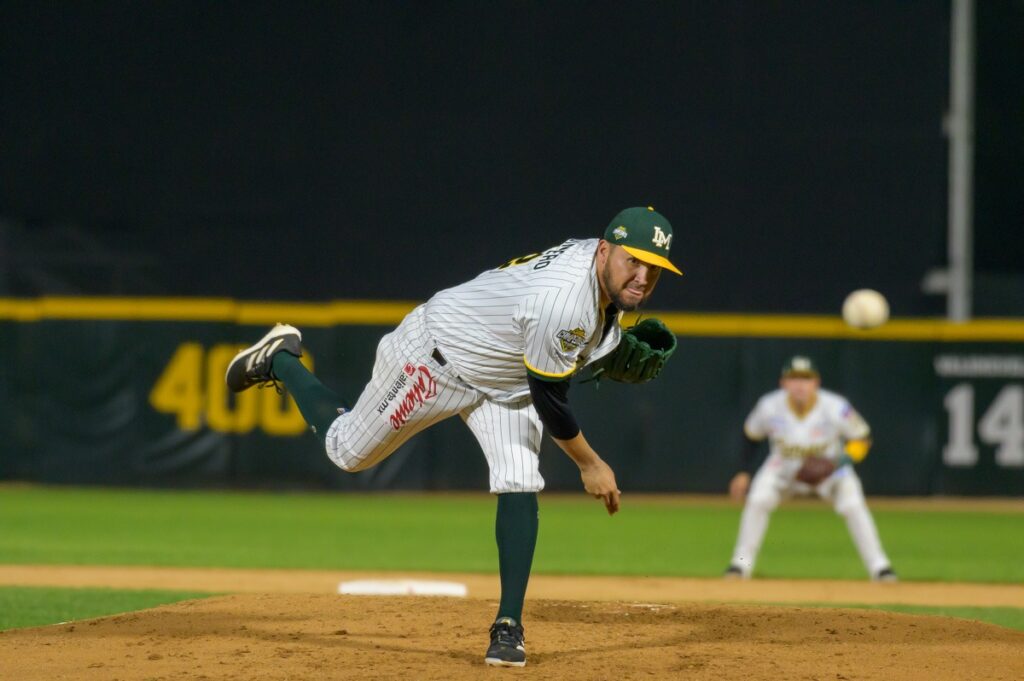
(306,636)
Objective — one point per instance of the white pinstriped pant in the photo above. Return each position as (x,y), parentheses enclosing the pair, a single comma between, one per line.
(410,391)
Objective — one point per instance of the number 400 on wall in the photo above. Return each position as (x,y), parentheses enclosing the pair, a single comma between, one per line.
(192,388)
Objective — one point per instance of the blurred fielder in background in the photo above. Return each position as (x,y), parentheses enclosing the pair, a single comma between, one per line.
(815,438)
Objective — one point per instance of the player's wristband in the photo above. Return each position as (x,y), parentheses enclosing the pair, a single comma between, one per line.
(857,449)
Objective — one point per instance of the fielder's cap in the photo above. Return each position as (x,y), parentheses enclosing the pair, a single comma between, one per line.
(645,234)
(800,367)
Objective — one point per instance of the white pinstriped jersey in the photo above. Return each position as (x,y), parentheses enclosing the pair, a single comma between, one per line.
(541,311)
(820,432)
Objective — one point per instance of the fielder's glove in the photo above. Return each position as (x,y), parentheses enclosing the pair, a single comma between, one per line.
(640,355)
(815,469)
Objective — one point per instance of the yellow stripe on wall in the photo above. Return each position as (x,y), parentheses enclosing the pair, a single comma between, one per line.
(389,313)
(225,310)
(822,326)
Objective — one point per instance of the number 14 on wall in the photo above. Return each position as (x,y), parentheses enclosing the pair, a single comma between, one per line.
(1001,425)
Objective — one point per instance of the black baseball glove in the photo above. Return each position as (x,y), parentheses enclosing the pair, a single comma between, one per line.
(640,355)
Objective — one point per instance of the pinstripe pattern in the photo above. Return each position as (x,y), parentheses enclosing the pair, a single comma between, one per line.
(510,435)
(488,326)
(544,312)
(369,432)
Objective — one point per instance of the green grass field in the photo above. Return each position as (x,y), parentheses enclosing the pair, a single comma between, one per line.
(651,536)
(1005,617)
(35,606)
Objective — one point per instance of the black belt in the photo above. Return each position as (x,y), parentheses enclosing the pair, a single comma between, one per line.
(438,357)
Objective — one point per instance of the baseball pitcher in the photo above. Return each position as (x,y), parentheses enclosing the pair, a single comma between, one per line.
(499,351)
(815,438)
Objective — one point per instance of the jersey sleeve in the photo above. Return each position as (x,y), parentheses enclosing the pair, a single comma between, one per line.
(756,425)
(554,336)
(852,425)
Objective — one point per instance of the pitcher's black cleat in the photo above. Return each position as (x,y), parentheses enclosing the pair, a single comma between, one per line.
(507,649)
(253,366)
(733,572)
(886,575)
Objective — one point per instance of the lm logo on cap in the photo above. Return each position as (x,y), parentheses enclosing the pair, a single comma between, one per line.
(660,240)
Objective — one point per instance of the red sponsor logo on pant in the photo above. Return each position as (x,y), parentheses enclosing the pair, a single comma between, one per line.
(423,388)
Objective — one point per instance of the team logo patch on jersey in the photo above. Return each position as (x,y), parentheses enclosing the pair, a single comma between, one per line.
(620,233)
(572,340)
(423,388)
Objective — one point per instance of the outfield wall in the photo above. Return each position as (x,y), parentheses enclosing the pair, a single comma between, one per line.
(130,392)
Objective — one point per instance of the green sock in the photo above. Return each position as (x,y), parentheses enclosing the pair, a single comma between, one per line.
(318,403)
(516,532)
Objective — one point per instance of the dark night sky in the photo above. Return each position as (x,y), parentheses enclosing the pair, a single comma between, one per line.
(350,150)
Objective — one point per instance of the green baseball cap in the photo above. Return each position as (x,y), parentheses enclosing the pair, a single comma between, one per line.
(799,367)
(645,234)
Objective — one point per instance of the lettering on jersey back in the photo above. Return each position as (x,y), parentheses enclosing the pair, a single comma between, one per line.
(551,254)
(542,259)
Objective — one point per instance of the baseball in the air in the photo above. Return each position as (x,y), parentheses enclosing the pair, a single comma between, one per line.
(865,309)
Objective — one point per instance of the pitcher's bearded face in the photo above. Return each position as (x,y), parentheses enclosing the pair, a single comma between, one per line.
(625,280)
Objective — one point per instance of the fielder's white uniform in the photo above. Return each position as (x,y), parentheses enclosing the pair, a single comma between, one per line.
(822,432)
(466,351)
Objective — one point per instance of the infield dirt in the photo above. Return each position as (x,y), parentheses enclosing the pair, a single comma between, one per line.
(559,587)
(313,637)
